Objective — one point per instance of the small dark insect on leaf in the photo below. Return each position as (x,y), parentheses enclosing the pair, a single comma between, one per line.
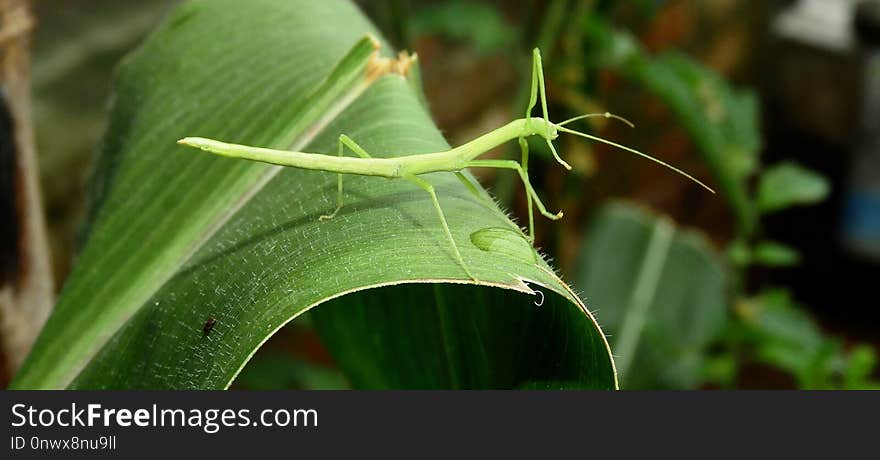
(209,324)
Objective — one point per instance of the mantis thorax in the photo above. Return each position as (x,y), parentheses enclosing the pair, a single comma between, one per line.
(535,126)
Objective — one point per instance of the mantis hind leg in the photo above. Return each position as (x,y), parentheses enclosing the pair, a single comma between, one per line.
(344,141)
(471,187)
(425,185)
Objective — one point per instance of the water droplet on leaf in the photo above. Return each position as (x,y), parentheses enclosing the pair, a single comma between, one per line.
(505,242)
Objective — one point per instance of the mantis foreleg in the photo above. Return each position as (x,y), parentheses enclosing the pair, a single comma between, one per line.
(510,164)
(524,148)
(538,87)
(344,141)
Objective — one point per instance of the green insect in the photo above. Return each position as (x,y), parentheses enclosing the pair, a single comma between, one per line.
(410,167)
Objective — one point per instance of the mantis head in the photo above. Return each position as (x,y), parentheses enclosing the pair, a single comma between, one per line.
(550,131)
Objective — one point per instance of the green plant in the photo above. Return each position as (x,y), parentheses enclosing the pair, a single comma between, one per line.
(723,124)
(175,238)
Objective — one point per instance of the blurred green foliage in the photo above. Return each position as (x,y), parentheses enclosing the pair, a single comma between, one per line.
(721,121)
(660,292)
(789,184)
(700,326)
(476,23)
(784,336)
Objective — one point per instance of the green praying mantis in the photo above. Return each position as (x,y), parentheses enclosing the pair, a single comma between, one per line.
(454,160)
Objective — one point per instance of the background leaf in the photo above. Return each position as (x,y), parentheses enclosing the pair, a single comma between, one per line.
(773,254)
(788,184)
(177,236)
(476,22)
(785,336)
(660,292)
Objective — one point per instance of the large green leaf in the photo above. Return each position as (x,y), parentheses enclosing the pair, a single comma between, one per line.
(659,290)
(177,236)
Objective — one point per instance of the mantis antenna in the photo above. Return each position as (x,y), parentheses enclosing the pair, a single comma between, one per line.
(410,167)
